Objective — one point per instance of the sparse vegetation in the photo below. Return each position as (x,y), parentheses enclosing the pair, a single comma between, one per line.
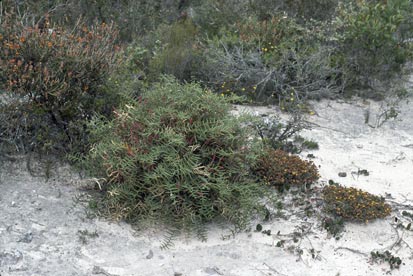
(387,257)
(334,226)
(284,136)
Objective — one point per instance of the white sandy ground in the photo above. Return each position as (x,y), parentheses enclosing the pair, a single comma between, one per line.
(39,221)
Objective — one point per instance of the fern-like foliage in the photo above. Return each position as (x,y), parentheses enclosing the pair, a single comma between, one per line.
(176,155)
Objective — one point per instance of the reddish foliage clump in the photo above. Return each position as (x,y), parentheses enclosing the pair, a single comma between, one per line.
(279,168)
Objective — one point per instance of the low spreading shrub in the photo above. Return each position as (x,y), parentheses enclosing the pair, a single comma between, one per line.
(334,226)
(386,256)
(353,204)
(54,79)
(280,169)
(175,155)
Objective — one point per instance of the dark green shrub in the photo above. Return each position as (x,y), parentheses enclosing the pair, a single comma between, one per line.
(280,169)
(54,79)
(176,155)
(353,204)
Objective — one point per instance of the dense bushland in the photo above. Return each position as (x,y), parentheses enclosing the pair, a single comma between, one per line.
(268,51)
(139,93)
(285,55)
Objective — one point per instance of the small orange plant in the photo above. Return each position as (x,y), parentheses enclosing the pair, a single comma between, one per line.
(280,169)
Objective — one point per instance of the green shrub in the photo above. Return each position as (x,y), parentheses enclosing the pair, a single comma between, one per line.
(371,38)
(176,51)
(54,80)
(301,9)
(386,256)
(175,155)
(280,169)
(212,16)
(284,136)
(334,226)
(353,204)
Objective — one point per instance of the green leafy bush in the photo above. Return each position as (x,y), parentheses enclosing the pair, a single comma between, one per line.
(176,155)
(371,38)
(176,51)
(280,169)
(353,204)
(54,80)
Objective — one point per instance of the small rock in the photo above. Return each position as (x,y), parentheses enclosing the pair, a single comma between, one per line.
(27,238)
(342,174)
(363,172)
(150,255)
(178,274)
(212,271)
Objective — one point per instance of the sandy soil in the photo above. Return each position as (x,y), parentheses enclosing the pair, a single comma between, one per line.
(45,228)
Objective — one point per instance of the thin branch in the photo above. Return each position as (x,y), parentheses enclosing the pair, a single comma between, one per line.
(274,270)
(352,250)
